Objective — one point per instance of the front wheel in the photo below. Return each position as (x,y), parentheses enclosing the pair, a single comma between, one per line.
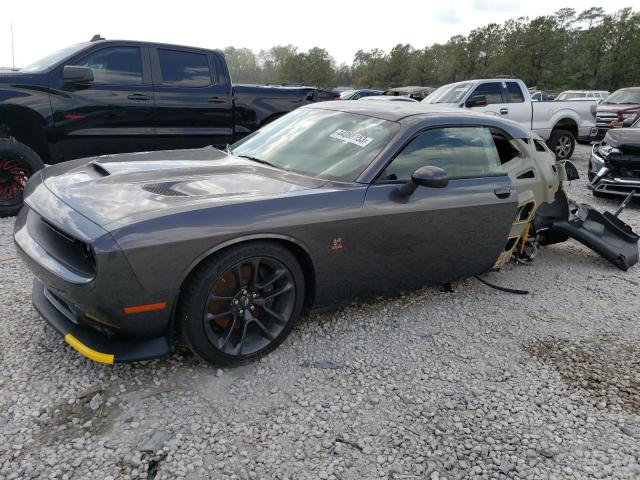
(562,143)
(241,304)
(17,163)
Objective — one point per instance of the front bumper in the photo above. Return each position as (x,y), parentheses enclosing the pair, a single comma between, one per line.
(100,308)
(91,343)
(609,182)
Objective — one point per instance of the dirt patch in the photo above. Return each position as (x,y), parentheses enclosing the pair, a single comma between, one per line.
(608,370)
(71,421)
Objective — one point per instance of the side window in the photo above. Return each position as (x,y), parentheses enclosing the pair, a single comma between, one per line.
(461,151)
(491,90)
(114,65)
(184,69)
(515,93)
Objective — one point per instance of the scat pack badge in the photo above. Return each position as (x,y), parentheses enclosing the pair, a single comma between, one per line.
(336,244)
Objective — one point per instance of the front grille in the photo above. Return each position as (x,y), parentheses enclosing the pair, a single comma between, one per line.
(603,119)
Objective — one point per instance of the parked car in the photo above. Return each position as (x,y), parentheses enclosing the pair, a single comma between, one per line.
(583,95)
(417,93)
(357,94)
(104,97)
(558,123)
(334,201)
(621,105)
(540,96)
(390,98)
(614,165)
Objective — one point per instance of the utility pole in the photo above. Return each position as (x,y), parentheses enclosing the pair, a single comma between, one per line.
(13,55)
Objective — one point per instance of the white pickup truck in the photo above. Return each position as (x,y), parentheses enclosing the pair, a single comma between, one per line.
(558,123)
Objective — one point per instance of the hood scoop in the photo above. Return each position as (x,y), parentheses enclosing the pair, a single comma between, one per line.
(100,168)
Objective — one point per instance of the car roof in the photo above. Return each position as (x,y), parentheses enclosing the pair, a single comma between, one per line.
(409,113)
(155,44)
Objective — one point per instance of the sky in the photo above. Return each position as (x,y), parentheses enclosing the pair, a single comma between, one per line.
(343,28)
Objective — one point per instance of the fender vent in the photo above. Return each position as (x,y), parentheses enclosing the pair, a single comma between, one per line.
(161,189)
(527,174)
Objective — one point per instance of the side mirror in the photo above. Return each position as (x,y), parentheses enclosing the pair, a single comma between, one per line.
(428,176)
(476,101)
(570,170)
(433,177)
(73,74)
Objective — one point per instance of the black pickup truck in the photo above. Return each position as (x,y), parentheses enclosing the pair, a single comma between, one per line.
(111,96)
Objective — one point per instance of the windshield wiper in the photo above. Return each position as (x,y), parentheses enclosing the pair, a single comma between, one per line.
(259,160)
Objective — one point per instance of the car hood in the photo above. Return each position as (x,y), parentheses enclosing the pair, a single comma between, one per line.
(615,108)
(113,188)
(625,139)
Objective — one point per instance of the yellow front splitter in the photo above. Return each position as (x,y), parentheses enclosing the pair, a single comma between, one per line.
(90,353)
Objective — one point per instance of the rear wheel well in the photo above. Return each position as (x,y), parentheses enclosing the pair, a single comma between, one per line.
(26,127)
(299,252)
(567,124)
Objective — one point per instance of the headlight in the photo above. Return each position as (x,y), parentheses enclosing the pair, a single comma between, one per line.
(606,150)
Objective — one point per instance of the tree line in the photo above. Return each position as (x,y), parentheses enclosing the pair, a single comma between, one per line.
(587,50)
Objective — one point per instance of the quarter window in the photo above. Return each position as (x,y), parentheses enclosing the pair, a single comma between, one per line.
(515,93)
(461,151)
(491,90)
(114,65)
(184,69)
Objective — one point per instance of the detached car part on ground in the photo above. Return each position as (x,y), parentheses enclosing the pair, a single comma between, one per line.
(331,202)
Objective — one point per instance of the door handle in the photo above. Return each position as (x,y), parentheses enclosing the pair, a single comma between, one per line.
(139,97)
(502,192)
(215,99)
(504,111)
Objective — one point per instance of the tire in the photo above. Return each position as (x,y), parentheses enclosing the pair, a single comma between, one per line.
(17,163)
(562,143)
(226,322)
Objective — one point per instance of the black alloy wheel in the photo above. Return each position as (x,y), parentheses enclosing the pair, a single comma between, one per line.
(17,163)
(249,299)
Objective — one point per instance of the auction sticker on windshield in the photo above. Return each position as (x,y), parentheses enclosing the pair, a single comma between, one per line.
(352,137)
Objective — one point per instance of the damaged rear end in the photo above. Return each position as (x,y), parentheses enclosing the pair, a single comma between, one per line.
(546,216)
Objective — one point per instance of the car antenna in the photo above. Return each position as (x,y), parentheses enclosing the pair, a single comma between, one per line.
(96,37)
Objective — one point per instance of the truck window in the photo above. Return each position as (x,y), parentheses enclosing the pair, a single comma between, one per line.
(114,65)
(515,93)
(461,151)
(184,69)
(491,90)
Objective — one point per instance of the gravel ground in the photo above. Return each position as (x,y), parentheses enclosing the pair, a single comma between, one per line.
(470,384)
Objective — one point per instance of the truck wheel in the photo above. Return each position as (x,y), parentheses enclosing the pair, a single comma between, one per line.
(242,303)
(17,163)
(562,143)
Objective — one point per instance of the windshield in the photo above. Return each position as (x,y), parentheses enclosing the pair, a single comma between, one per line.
(624,96)
(346,94)
(452,93)
(52,59)
(568,95)
(319,143)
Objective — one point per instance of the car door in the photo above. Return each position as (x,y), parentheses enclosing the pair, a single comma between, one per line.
(518,109)
(111,114)
(439,234)
(193,99)
(493,92)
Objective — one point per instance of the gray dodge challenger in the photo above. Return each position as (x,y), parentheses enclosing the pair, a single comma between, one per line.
(226,249)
